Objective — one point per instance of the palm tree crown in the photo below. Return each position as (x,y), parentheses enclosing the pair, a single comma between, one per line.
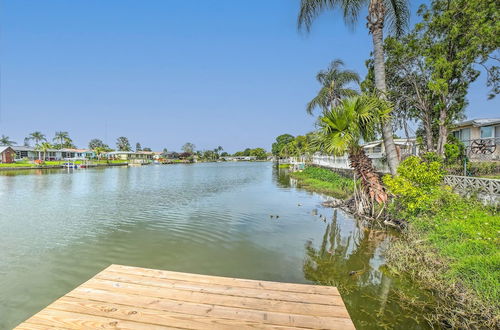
(394,12)
(335,85)
(61,137)
(6,141)
(37,137)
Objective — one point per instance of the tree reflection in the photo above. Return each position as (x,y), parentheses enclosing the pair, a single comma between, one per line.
(350,258)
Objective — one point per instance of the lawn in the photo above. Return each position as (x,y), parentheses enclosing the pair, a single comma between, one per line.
(325,181)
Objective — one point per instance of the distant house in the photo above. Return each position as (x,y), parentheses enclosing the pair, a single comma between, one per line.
(30,153)
(7,154)
(481,137)
(138,157)
(239,158)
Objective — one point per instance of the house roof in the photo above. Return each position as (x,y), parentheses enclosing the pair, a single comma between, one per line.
(3,148)
(478,122)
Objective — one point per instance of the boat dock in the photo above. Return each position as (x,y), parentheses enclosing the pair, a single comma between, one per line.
(138,298)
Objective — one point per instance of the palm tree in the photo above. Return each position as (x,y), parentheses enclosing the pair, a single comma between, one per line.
(44,147)
(61,137)
(341,129)
(396,13)
(99,151)
(6,141)
(334,82)
(37,137)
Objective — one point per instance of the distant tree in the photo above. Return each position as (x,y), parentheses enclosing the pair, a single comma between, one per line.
(336,83)
(164,153)
(224,154)
(43,147)
(6,141)
(138,147)
(63,139)
(281,141)
(96,143)
(37,137)
(188,148)
(174,155)
(260,153)
(122,144)
(147,149)
(26,142)
(99,151)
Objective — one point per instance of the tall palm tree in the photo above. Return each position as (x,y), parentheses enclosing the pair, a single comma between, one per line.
(61,137)
(6,141)
(37,137)
(340,131)
(394,12)
(335,83)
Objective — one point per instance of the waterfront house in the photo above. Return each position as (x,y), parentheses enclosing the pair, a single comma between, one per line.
(239,158)
(134,157)
(31,153)
(7,154)
(481,138)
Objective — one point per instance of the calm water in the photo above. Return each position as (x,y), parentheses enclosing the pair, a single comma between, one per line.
(58,228)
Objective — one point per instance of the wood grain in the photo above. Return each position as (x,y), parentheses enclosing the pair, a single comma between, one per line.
(138,298)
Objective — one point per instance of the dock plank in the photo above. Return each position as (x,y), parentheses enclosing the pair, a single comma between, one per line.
(138,298)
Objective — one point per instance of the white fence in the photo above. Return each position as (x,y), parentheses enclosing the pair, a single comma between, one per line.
(342,162)
(487,190)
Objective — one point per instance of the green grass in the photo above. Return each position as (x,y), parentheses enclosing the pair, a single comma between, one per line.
(467,234)
(283,165)
(55,163)
(493,176)
(325,181)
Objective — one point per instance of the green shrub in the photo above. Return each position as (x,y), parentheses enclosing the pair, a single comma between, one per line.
(417,187)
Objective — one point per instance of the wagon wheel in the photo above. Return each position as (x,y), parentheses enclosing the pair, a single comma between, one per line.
(485,147)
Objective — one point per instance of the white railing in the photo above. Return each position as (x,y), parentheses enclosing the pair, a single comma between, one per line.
(342,162)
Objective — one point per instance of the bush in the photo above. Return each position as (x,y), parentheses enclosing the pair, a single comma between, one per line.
(417,187)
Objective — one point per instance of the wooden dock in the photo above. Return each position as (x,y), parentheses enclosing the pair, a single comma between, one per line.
(139,298)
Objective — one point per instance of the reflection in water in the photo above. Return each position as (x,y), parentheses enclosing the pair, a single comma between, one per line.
(350,258)
(61,227)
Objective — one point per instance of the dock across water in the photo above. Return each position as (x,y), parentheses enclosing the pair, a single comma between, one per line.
(138,298)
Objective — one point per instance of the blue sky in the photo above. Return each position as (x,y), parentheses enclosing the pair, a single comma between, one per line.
(165,72)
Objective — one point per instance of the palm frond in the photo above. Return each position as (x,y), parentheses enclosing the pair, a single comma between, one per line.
(310,9)
(397,16)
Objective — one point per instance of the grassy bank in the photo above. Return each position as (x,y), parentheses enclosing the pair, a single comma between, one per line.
(324,181)
(451,246)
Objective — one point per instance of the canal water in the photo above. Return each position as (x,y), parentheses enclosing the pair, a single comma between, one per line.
(60,227)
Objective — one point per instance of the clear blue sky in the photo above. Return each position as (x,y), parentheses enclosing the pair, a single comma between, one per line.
(165,72)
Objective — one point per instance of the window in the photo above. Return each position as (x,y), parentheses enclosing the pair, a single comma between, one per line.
(486,132)
(377,150)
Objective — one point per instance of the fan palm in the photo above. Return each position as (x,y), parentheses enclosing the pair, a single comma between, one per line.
(335,85)
(380,12)
(341,129)
(6,141)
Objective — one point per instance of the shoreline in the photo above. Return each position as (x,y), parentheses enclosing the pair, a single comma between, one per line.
(424,261)
(50,167)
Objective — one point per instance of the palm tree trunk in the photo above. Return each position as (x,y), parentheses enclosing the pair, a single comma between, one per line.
(370,181)
(376,26)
